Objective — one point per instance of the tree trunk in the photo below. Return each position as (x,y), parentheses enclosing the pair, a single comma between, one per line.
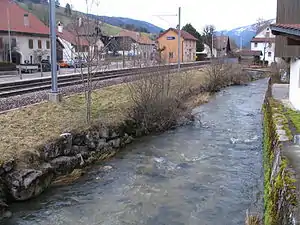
(88,106)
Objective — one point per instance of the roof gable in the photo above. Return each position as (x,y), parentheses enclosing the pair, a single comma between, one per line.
(16,16)
(183,34)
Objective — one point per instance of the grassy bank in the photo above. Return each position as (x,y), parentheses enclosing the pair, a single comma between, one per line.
(24,129)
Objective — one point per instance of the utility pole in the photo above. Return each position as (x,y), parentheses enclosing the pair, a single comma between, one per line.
(179,35)
(212,44)
(9,35)
(241,42)
(54,95)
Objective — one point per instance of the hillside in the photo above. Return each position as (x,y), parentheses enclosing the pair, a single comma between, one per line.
(111,25)
(123,22)
(246,33)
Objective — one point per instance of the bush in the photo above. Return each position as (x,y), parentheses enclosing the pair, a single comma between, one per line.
(220,75)
(7,66)
(157,101)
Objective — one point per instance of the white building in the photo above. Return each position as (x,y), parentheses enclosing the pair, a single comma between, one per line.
(207,51)
(291,33)
(264,41)
(29,42)
(71,46)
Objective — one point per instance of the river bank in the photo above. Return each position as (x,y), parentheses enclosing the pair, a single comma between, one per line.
(43,142)
(189,175)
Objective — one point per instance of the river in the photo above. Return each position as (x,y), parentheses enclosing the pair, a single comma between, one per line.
(208,173)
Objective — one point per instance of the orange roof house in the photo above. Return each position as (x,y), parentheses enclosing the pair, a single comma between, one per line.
(168,45)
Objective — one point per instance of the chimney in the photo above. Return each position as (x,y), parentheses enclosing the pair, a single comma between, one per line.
(26,20)
(60,27)
(79,21)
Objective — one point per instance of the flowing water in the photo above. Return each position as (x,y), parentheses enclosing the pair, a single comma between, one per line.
(208,173)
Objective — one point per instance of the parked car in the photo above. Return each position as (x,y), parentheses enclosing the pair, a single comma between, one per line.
(63,64)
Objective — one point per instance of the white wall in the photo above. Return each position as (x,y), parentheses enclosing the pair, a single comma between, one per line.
(23,47)
(295,83)
(68,50)
(261,46)
(26,52)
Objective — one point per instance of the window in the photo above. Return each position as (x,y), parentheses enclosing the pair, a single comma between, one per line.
(171,55)
(268,34)
(48,44)
(255,44)
(269,54)
(270,45)
(30,43)
(39,44)
(1,43)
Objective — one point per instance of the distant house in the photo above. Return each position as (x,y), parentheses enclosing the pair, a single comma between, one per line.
(249,57)
(30,41)
(135,43)
(73,44)
(168,42)
(207,51)
(222,46)
(264,41)
(287,31)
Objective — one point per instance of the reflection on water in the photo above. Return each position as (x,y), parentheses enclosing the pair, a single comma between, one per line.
(206,174)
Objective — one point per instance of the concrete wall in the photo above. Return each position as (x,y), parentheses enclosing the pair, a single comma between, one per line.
(295,83)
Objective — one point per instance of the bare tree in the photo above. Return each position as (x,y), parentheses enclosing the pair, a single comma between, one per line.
(88,50)
(208,33)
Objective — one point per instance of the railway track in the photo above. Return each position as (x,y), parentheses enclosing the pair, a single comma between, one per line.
(38,84)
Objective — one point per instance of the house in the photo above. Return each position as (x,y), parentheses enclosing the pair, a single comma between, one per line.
(168,43)
(287,31)
(222,46)
(264,41)
(249,57)
(29,42)
(134,43)
(207,51)
(292,34)
(73,44)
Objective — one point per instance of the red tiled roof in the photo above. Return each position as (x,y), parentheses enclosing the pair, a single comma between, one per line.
(71,38)
(263,40)
(139,38)
(16,16)
(185,35)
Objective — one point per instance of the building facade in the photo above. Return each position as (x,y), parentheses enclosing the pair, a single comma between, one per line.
(29,38)
(168,46)
(264,41)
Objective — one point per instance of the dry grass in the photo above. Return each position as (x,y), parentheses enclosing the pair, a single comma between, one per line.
(25,129)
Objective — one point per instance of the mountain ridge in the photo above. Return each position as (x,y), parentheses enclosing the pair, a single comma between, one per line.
(242,34)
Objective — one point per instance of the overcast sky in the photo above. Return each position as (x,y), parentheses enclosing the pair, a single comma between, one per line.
(224,14)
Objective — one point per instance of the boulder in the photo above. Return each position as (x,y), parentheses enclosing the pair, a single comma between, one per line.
(8,165)
(102,144)
(115,143)
(65,164)
(60,147)
(24,184)
(104,132)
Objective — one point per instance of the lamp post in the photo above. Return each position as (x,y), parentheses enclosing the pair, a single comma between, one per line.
(53,95)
